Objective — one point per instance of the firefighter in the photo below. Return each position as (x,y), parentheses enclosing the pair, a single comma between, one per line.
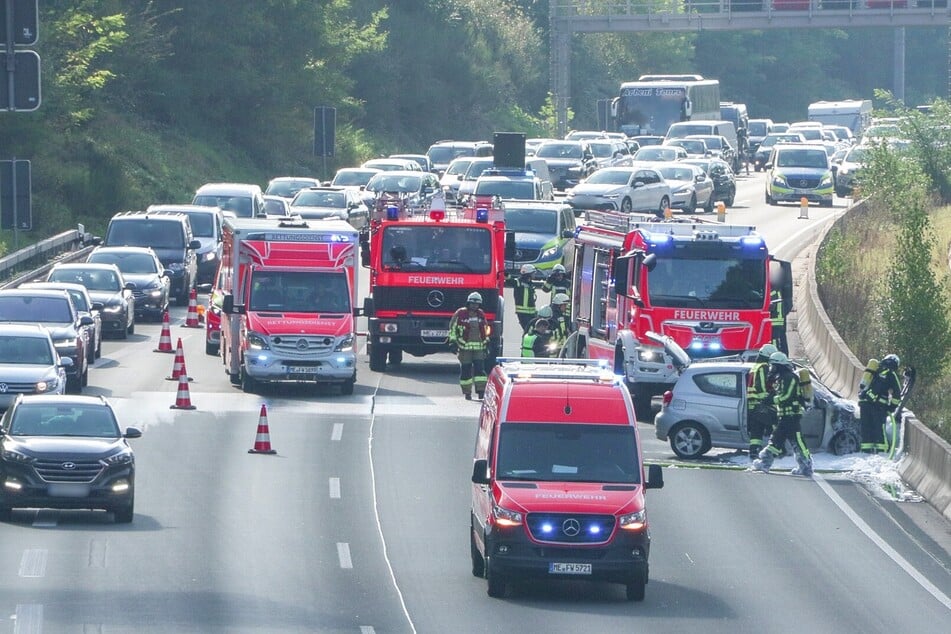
(778,319)
(535,341)
(524,291)
(469,339)
(881,395)
(786,396)
(558,282)
(760,417)
(560,323)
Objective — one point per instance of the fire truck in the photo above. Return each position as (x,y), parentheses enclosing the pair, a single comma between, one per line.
(706,285)
(422,269)
(288,288)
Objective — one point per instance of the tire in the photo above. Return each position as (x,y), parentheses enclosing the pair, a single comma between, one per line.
(627,206)
(691,207)
(396,356)
(636,589)
(708,208)
(478,561)
(642,403)
(664,204)
(211,349)
(689,440)
(730,200)
(377,358)
(74,385)
(131,328)
(769,200)
(124,333)
(495,583)
(125,513)
(346,388)
(844,443)
(98,352)
(84,377)
(248,384)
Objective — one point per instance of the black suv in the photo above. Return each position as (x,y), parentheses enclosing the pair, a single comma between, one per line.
(66,452)
(169,235)
(568,162)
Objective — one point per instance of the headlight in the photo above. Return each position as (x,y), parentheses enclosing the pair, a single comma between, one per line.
(123,457)
(681,190)
(505,517)
(345,345)
(549,253)
(112,308)
(649,356)
(66,344)
(16,456)
(611,196)
(48,385)
(574,169)
(633,521)
(208,257)
(843,171)
(826,180)
(780,180)
(257,341)
(153,285)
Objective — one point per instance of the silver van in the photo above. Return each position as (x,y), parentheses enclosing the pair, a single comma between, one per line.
(242,199)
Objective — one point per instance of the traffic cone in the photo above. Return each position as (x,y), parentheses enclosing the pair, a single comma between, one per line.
(262,441)
(183,399)
(165,339)
(191,321)
(178,368)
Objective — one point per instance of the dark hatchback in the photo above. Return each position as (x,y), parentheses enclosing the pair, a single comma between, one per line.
(66,452)
(106,286)
(143,269)
(724,180)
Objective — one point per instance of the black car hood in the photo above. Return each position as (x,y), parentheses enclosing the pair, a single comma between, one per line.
(170,255)
(105,296)
(64,447)
(141,280)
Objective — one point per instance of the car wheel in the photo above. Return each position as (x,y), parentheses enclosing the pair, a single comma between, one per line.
(211,349)
(664,204)
(730,199)
(708,208)
(627,206)
(844,443)
(478,561)
(691,204)
(689,440)
(126,512)
(825,203)
(84,378)
(131,328)
(74,385)
(98,352)
(346,388)
(495,583)
(636,589)
(248,384)
(396,356)
(377,357)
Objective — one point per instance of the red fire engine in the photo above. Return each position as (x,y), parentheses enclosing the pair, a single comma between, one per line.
(422,268)
(707,285)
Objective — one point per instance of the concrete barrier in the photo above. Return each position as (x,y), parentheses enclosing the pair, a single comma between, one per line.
(926,464)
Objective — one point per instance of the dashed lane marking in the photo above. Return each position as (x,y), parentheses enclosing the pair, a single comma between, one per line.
(343,554)
(334,488)
(337,433)
(33,562)
(28,619)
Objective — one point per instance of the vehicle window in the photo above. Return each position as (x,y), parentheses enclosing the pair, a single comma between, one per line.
(719,384)
(59,420)
(610,177)
(54,310)
(353,178)
(300,292)
(458,166)
(531,221)
(802,158)
(25,350)
(507,189)
(321,199)
(708,282)
(676,173)
(203,224)
(79,300)
(757,128)
(134,263)
(559,150)
(567,453)
(275,208)
(445,248)
(604,308)
(475,169)
(392,183)
(146,232)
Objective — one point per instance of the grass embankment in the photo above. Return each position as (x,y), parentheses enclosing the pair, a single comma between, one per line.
(851,269)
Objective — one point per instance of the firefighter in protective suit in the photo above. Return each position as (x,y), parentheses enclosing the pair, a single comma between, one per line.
(786,396)
(469,339)
(560,322)
(524,292)
(760,417)
(558,282)
(881,395)
(535,341)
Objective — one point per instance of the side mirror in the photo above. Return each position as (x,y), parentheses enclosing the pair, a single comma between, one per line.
(98,305)
(699,178)
(638,184)
(65,362)
(86,320)
(194,244)
(620,271)
(650,262)
(510,245)
(129,286)
(567,234)
(227,304)
(480,472)
(135,432)
(655,477)
(167,273)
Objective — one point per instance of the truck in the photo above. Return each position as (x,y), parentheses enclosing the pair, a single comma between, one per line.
(855,114)
(423,267)
(706,285)
(287,289)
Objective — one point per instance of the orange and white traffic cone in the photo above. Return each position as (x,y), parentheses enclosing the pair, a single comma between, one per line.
(191,321)
(262,441)
(183,399)
(165,339)
(178,368)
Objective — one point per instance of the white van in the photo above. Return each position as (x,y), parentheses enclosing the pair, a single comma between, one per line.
(718,128)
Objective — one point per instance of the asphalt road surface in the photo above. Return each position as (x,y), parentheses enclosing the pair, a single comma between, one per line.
(359,522)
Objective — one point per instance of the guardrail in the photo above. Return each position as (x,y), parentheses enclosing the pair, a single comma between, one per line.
(41,257)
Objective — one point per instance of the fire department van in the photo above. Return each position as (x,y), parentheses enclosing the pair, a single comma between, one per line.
(558,478)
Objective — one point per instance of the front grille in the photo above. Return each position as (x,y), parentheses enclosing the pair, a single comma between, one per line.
(804,182)
(567,528)
(301,346)
(575,554)
(526,255)
(59,471)
(16,388)
(428,299)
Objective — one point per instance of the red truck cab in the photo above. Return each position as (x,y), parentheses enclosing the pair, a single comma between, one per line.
(558,477)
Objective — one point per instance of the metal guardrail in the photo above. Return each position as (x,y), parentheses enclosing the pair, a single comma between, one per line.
(36,259)
(601,8)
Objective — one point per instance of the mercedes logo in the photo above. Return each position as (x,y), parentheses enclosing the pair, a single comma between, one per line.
(3,388)
(435,299)
(571,527)
(803,183)
(518,254)
(69,466)
(302,344)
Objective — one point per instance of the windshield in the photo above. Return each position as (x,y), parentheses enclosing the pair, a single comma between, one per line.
(559,150)
(353,178)
(93,280)
(300,292)
(532,221)
(757,128)
(857,154)
(712,142)
(93,421)
(320,199)
(802,158)
(240,206)
(52,310)
(693,146)
(146,232)
(567,453)
(506,189)
(676,173)
(393,183)
(458,166)
(203,224)
(602,150)
(810,134)
(25,350)
(656,153)
(642,111)
(437,248)
(687,129)
(132,263)
(707,283)
(475,169)
(605,177)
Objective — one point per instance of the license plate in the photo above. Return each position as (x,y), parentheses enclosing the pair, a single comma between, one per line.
(302,369)
(434,333)
(68,490)
(569,569)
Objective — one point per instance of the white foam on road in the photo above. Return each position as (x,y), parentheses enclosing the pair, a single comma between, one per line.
(28,619)
(446,406)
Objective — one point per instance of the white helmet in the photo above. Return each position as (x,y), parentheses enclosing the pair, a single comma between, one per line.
(558,268)
(527,269)
(778,358)
(545,312)
(560,298)
(474,298)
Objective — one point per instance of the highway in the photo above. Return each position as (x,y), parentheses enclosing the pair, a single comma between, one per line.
(359,522)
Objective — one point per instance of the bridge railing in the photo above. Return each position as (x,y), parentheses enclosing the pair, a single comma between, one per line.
(566,8)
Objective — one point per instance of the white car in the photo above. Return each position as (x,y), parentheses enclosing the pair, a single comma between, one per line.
(626,189)
(690,187)
(656,153)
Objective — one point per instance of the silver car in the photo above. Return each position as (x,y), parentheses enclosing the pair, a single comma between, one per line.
(625,189)
(29,363)
(690,187)
(707,408)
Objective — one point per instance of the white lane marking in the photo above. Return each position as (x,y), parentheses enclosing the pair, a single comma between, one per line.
(33,562)
(46,518)
(687,555)
(98,548)
(809,227)
(367,629)
(28,619)
(376,512)
(882,544)
(337,432)
(343,554)
(334,488)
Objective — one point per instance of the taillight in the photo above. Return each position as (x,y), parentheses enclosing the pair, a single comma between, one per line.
(668,397)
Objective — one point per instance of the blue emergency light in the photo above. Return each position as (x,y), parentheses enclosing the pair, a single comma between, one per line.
(392,212)
(751,241)
(482,214)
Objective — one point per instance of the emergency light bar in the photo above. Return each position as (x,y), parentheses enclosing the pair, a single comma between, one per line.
(697,228)
(546,368)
